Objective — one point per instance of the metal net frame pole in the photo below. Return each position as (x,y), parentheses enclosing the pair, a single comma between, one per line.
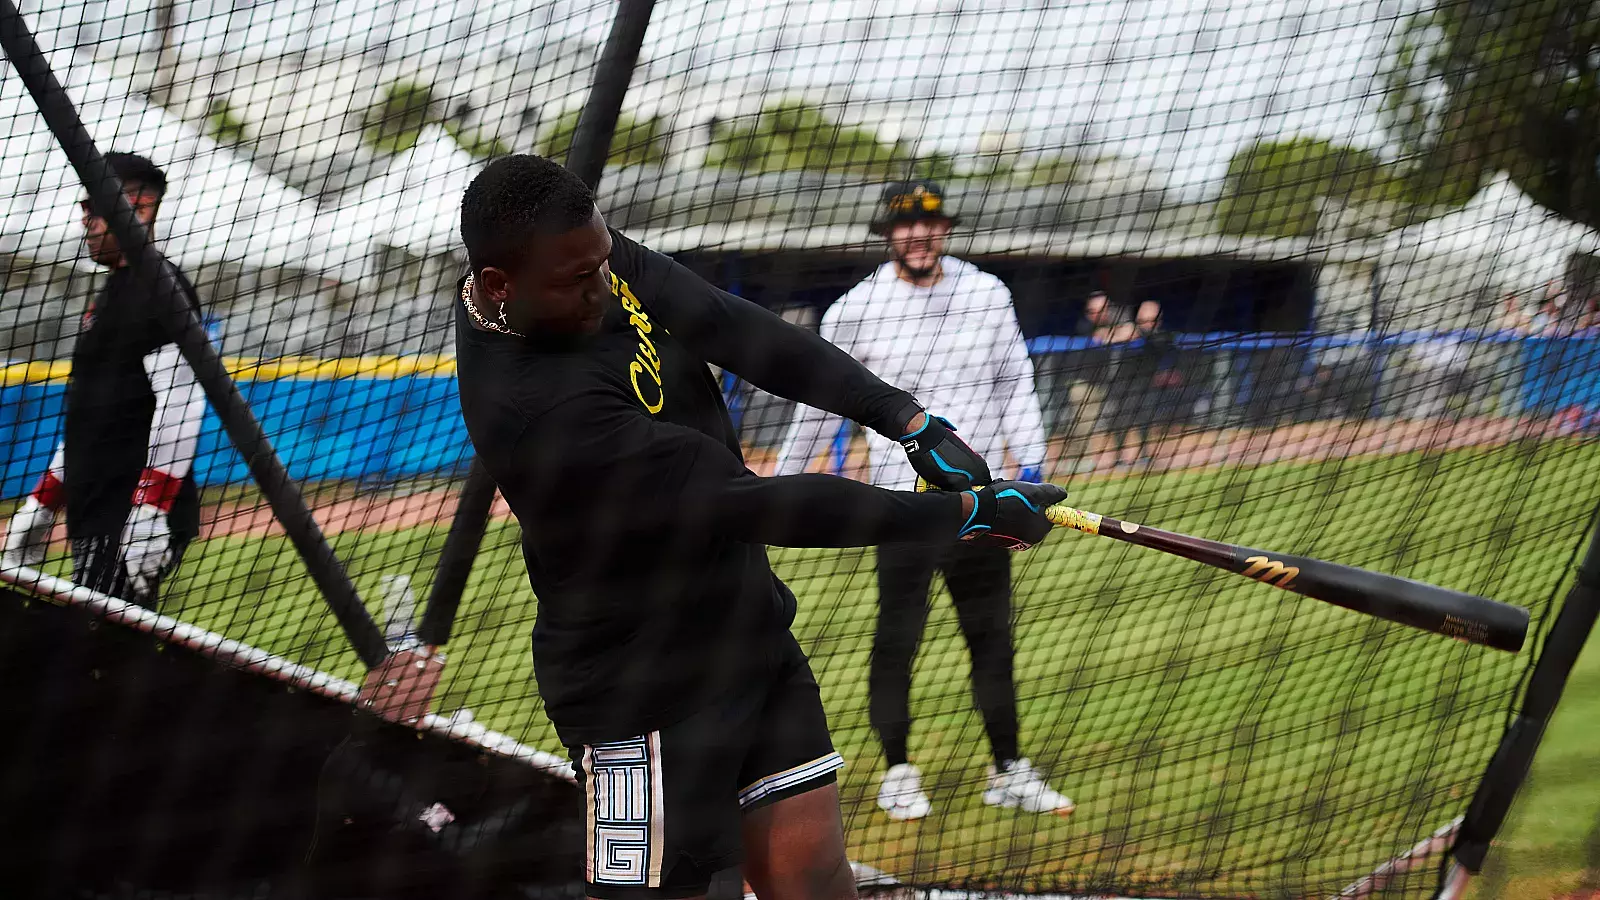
(1508,768)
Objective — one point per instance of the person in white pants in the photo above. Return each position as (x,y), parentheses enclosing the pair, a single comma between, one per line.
(947,332)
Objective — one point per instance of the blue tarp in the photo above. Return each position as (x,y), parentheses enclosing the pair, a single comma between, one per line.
(409,426)
(1558,374)
(370,429)
(1245,340)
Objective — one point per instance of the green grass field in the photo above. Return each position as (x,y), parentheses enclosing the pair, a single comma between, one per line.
(1550,847)
(1220,738)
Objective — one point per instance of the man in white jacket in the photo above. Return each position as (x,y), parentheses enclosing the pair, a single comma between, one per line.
(133,414)
(946,332)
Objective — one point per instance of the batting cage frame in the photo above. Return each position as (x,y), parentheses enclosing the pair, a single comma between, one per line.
(165,757)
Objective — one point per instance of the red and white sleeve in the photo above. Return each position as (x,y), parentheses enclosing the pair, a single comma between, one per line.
(174,429)
(51,492)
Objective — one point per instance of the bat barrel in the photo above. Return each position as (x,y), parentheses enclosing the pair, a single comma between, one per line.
(1466,617)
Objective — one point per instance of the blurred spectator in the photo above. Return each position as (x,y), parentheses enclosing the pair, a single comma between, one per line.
(122,472)
(1103,320)
(1514,316)
(1341,384)
(1441,385)
(1559,314)
(1588,312)
(1563,314)
(1089,374)
(1514,323)
(1151,386)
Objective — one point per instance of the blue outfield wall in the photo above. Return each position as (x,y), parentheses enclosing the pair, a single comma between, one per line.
(405,422)
(366,429)
(1555,372)
(1561,373)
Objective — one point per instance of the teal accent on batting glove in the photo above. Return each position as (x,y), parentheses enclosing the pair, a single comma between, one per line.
(942,459)
(1010,514)
(982,513)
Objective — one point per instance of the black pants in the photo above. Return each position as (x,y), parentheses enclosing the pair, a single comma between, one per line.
(979,579)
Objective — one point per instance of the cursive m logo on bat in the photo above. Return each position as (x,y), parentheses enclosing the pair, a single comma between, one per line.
(1265,570)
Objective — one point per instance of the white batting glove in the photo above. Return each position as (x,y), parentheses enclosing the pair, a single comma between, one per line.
(147,538)
(146,548)
(28,535)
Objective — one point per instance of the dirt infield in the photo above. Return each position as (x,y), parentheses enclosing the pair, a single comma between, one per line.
(1309,442)
(377,511)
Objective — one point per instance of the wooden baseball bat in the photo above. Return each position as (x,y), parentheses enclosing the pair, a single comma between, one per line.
(1465,617)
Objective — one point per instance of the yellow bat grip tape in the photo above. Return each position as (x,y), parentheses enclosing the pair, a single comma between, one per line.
(1068,517)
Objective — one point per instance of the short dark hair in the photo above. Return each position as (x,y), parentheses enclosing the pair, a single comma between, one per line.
(131,167)
(514,198)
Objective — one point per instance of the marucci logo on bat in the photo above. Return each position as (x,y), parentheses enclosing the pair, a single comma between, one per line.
(1265,570)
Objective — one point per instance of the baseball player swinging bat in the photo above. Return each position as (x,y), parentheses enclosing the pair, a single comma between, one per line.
(1465,617)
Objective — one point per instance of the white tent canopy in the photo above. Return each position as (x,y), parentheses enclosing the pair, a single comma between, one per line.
(218,209)
(1499,242)
(415,204)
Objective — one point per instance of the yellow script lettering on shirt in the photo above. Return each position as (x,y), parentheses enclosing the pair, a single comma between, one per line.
(645,360)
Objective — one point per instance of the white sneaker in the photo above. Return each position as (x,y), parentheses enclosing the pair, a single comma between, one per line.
(901,794)
(1024,788)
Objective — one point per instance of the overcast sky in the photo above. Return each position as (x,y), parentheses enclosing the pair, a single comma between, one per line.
(1179,83)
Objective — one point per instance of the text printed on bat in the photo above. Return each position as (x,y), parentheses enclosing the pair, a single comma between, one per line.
(1265,570)
(1464,630)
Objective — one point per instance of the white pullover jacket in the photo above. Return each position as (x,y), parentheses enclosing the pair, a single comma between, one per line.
(955,346)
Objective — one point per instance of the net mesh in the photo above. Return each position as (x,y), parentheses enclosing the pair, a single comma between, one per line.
(1380,350)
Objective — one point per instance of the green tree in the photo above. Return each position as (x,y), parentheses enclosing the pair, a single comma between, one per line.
(935,165)
(394,124)
(1276,187)
(476,143)
(635,141)
(1474,87)
(1058,168)
(792,135)
(223,124)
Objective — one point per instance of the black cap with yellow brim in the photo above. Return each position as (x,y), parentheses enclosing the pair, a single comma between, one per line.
(910,201)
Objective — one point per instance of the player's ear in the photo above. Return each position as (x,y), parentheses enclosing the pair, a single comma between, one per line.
(493,283)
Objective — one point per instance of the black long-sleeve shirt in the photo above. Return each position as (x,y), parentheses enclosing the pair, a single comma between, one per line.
(643,531)
(110,407)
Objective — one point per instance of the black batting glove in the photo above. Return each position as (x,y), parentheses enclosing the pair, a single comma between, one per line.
(942,459)
(1010,514)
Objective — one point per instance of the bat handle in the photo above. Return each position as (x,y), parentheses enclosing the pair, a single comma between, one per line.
(1063,516)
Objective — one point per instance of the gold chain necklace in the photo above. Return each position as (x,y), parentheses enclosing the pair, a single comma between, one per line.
(472,310)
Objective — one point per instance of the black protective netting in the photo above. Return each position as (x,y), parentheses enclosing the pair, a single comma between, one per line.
(1367,227)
